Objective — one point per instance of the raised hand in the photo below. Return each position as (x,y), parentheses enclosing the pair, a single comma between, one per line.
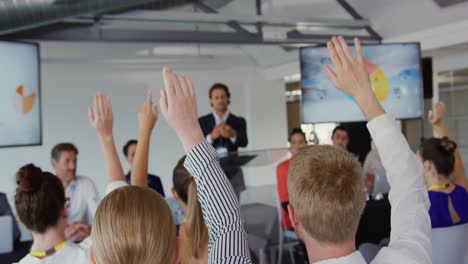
(101,119)
(100,115)
(436,116)
(179,107)
(351,76)
(148,115)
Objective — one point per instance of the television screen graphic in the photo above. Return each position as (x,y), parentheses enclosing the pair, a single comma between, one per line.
(20,115)
(395,74)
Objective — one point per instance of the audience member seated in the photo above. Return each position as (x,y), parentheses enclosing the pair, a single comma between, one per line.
(154,182)
(297,140)
(193,234)
(80,192)
(340,137)
(375,177)
(325,183)
(41,206)
(5,210)
(444,175)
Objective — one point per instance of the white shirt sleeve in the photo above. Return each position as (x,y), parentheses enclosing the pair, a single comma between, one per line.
(115,185)
(410,238)
(233,140)
(208,138)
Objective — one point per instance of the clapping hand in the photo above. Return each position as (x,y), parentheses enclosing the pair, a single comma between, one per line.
(227,131)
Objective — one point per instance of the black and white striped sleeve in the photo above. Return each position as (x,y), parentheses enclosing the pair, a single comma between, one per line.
(227,237)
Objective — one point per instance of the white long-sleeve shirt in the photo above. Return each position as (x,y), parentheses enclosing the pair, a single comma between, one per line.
(227,238)
(410,237)
(83,199)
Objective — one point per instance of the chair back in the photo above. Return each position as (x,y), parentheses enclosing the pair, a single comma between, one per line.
(6,241)
(450,244)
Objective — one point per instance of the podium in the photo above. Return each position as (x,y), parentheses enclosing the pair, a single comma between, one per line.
(253,158)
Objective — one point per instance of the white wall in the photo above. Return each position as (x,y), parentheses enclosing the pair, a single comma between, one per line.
(67,91)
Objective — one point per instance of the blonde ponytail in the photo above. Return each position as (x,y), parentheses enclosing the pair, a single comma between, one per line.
(196,229)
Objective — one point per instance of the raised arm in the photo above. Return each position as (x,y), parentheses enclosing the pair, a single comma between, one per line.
(147,117)
(410,240)
(436,118)
(227,238)
(101,119)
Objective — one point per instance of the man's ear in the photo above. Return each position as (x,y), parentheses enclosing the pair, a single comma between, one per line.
(428,166)
(292,216)
(91,255)
(53,162)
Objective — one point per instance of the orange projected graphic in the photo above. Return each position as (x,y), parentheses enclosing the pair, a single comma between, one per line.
(379,80)
(24,104)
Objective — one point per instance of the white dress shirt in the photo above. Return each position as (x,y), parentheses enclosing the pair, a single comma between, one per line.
(70,253)
(219,120)
(83,199)
(410,237)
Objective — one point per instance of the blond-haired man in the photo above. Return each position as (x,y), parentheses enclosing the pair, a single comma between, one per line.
(325,184)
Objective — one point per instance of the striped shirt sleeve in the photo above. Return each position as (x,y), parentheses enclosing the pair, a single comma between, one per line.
(227,237)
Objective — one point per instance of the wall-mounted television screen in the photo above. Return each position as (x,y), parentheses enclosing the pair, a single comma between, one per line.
(20,94)
(395,74)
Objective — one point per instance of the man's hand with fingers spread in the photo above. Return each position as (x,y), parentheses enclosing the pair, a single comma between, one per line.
(179,106)
(351,76)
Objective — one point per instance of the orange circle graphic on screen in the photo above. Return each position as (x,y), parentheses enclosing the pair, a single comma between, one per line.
(24,103)
(379,80)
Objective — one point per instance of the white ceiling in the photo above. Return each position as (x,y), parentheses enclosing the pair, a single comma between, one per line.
(390,18)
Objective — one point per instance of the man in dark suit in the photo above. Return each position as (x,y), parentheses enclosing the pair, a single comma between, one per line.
(225,131)
(154,182)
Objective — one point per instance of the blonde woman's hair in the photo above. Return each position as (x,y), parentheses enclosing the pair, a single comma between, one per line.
(326,189)
(186,188)
(195,227)
(133,225)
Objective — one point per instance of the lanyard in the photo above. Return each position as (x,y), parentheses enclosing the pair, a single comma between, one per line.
(41,254)
(438,187)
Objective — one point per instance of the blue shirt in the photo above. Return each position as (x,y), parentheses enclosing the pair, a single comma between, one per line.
(154,182)
(439,211)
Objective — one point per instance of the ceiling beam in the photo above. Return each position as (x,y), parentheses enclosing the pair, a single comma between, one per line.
(96,33)
(213,18)
(350,9)
(232,24)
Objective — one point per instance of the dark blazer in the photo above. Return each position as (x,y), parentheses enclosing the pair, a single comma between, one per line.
(154,182)
(208,122)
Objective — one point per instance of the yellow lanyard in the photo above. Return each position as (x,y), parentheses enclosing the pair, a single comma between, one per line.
(42,254)
(438,187)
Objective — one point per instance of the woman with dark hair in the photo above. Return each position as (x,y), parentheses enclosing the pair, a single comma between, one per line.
(41,206)
(444,175)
